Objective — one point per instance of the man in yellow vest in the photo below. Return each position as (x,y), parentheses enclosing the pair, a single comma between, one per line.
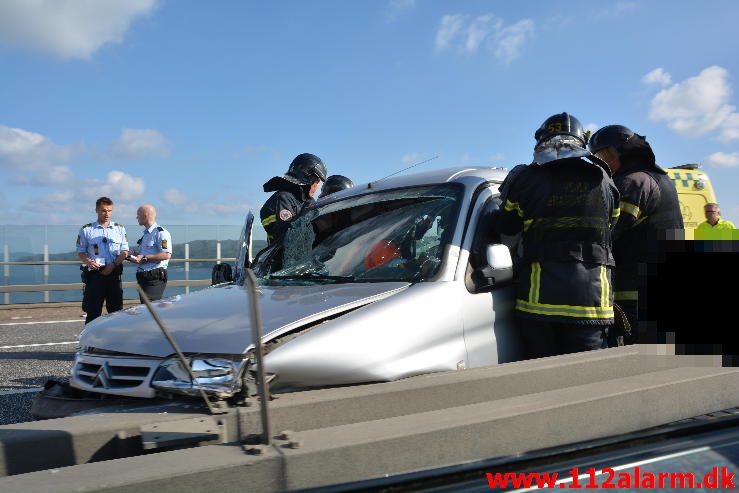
(714,228)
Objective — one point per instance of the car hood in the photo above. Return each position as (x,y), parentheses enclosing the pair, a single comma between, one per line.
(218,320)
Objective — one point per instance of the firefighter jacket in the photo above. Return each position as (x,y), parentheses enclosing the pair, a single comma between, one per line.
(281,207)
(649,210)
(564,210)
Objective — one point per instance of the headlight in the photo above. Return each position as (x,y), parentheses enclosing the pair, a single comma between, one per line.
(218,376)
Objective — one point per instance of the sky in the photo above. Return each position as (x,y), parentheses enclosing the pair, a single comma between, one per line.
(192,106)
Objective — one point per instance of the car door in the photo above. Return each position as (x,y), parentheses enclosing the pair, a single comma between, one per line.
(489,330)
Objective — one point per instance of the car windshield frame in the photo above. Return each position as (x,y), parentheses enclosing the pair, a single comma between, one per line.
(380,236)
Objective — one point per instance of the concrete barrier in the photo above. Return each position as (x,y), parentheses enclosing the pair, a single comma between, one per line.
(331,436)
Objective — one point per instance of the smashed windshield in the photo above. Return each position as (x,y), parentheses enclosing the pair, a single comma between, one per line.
(396,235)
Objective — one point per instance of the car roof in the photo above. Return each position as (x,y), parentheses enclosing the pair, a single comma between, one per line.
(470,175)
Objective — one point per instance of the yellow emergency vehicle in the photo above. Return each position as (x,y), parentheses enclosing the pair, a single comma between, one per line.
(694,190)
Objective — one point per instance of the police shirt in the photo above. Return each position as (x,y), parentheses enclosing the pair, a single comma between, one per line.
(102,244)
(156,239)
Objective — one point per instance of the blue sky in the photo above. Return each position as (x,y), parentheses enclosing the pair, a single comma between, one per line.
(191,106)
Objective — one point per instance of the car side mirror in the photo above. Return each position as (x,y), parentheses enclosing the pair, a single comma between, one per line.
(498,268)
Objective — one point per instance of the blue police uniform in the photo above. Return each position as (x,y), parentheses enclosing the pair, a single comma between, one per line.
(152,275)
(103,245)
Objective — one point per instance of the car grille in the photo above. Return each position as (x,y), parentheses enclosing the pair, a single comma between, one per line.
(128,377)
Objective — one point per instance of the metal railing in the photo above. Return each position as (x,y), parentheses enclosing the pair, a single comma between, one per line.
(45,287)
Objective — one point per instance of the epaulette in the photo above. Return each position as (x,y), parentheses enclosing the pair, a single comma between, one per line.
(87,225)
(118,224)
(159,228)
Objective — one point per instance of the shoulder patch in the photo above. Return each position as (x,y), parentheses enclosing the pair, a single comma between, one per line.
(285,215)
(165,244)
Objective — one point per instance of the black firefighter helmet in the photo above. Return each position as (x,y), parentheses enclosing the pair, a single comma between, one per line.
(306,167)
(560,124)
(610,136)
(335,183)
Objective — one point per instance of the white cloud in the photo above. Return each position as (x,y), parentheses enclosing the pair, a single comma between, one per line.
(68,29)
(118,185)
(468,34)
(29,151)
(511,39)
(698,105)
(657,76)
(723,160)
(140,143)
(175,197)
(52,175)
(450,26)
(730,128)
(36,159)
(480,28)
(396,8)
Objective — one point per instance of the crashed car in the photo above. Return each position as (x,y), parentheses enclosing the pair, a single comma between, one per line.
(379,282)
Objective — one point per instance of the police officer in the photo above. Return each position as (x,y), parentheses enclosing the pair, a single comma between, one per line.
(563,204)
(102,246)
(291,192)
(153,254)
(649,209)
(335,183)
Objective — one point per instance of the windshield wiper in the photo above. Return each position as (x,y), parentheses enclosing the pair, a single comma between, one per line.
(313,276)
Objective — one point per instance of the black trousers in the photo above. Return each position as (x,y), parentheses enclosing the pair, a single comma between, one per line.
(152,282)
(542,338)
(99,290)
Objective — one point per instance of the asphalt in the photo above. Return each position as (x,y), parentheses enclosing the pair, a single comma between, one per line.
(46,312)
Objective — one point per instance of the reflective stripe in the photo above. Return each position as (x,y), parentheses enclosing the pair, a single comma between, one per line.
(626,295)
(590,312)
(269,220)
(605,287)
(513,206)
(631,209)
(532,305)
(571,222)
(535,284)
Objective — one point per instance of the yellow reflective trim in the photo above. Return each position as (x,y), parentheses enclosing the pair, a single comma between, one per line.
(626,295)
(604,287)
(513,206)
(535,282)
(631,209)
(616,212)
(589,312)
(269,220)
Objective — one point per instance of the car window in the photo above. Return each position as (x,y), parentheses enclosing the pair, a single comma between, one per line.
(396,235)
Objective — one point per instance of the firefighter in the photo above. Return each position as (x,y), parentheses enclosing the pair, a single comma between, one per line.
(649,210)
(335,183)
(291,192)
(564,205)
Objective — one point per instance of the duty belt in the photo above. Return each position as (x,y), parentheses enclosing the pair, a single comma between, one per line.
(153,274)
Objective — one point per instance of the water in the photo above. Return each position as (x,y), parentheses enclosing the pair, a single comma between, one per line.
(28,243)
(69,274)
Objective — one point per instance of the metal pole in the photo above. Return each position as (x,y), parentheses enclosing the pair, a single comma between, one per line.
(256,320)
(46,271)
(6,271)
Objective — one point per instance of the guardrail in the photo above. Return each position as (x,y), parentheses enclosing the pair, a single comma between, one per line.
(46,287)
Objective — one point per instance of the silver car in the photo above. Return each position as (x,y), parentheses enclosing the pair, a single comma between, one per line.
(380,282)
